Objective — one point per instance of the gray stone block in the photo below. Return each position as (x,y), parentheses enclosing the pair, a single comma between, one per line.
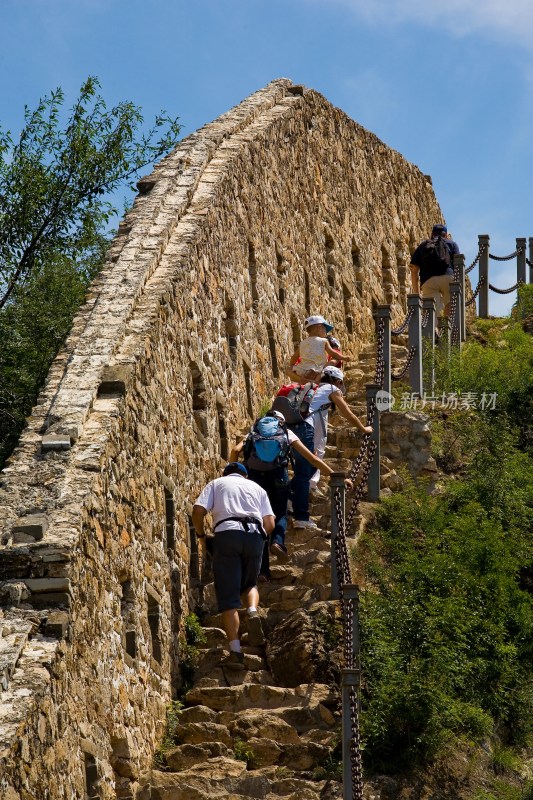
(55,441)
(57,624)
(115,379)
(40,585)
(30,528)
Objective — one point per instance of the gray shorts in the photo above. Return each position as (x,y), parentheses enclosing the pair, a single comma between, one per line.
(236,564)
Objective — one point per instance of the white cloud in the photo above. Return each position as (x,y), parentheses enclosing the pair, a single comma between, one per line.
(496,18)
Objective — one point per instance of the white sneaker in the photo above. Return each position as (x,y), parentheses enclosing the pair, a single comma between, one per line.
(306,524)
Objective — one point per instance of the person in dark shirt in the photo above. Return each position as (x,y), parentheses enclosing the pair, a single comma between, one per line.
(425,280)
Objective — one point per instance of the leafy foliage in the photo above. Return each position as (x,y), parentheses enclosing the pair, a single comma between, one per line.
(523,308)
(55,179)
(194,637)
(498,357)
(243,752)
(32,328)
(173,720)
(55,184)
(447,615)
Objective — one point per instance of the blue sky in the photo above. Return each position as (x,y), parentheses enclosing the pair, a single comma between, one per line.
(450,86)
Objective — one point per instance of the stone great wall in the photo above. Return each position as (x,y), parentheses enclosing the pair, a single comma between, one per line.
(280,207)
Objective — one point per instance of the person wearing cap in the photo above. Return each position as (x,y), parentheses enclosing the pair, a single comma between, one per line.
(242,519)
(424,279)
(313,432)
(311,355)
(277,486)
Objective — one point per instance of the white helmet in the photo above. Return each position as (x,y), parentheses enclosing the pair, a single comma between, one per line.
(334,373)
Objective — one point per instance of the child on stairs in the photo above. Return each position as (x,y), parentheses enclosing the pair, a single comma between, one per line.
(311,355)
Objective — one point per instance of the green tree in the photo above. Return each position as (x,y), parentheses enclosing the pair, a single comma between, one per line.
(57,182)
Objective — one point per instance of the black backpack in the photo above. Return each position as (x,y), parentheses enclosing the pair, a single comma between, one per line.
(434,258)
(267,445)
(293,401)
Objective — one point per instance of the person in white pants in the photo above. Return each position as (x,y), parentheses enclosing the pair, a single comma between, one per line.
(329,393)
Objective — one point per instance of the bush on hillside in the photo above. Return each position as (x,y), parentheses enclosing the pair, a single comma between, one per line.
(447,625)
(497,358)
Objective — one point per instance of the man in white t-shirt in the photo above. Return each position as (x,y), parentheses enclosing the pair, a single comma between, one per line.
(242,519)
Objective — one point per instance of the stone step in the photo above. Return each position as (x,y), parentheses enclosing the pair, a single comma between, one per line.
(303,536)
(289,598)
(269,741)
(224,778)
(247,696)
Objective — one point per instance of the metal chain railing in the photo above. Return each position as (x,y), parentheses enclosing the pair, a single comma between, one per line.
(380,360)
(507,258)
(506,291)
(344,574)
(456,334)
(404,325)
(480,283)
(528,262)
(359,475)
(399,375)
(425,318)
(474,262)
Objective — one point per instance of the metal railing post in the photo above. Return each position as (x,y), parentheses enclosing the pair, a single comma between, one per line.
(351,679)
(483,296)
(428,336)
(374,474)
(383,312)
(428,307)
(531,259)
(521,259)
(459,269)
(445,335)
(336,481)
(455,303)
(414,303)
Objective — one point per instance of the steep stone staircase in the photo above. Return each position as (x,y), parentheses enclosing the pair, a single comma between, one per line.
(271,730)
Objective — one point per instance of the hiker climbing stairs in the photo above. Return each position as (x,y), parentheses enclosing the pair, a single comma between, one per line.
(271,729)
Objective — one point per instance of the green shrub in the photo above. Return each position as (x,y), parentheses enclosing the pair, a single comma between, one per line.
(446,629)
(174,710)
(243,752)
(194,637)
(497,358)
(523,307)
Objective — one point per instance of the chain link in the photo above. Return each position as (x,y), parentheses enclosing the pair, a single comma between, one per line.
(380,358)
(344,573)
(528,262)
(480,283)
(360,469)
(425,318)
(405,323)
(455,328)
(480,252)
(505,291)
(507,258)
(355,747)
(398,376)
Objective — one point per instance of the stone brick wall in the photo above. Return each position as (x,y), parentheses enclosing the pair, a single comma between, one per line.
(281,207)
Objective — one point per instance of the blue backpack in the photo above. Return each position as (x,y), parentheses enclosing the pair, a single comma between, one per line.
(267,445)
